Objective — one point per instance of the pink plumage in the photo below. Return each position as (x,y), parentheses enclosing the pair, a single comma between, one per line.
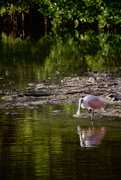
(96,103)
(90,102)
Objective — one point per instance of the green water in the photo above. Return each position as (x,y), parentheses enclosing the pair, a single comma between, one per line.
(41,144)
(48,142)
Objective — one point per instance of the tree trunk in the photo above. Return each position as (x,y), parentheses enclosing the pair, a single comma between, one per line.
(23,30)
(45,18)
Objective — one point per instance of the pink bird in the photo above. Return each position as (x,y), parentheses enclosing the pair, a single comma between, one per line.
(90,102)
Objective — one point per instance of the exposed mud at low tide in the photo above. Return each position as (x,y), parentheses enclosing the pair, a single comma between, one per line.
(69,90)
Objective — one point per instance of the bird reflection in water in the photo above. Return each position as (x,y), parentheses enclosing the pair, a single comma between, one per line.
(91,137)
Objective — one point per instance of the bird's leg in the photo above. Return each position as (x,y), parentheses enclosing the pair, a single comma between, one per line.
(92,116)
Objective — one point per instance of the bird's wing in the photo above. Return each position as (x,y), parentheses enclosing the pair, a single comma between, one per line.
(96,103)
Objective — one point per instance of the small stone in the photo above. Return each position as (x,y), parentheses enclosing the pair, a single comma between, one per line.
(58,72)
(12,82)
(32,84)
(110,96)
(92,80)
(11,114)
(29,88)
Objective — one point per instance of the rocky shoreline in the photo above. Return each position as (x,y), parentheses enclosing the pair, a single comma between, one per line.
(69,90)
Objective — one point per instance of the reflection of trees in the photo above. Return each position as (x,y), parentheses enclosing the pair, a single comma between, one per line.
(22,59)
(67,54)
(30,144)
(88,51)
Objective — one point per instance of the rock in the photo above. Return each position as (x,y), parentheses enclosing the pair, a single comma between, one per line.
(30,88)
(57,112)
(77,116)
(110,96)
(113,97)
(92,80)
(32,84)
(33,107)
(69,90)
(12,82)
(58,72)
(47,80)
(11,114)
(1,77)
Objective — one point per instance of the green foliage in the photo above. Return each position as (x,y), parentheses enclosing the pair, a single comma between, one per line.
(72,12)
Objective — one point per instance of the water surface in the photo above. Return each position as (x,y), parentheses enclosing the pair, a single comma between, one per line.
(47,142)
(38,143)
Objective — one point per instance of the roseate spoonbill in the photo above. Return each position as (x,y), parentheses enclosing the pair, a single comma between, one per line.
(90,102)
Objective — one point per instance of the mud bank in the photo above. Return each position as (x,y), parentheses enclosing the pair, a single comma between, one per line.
(69,90)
